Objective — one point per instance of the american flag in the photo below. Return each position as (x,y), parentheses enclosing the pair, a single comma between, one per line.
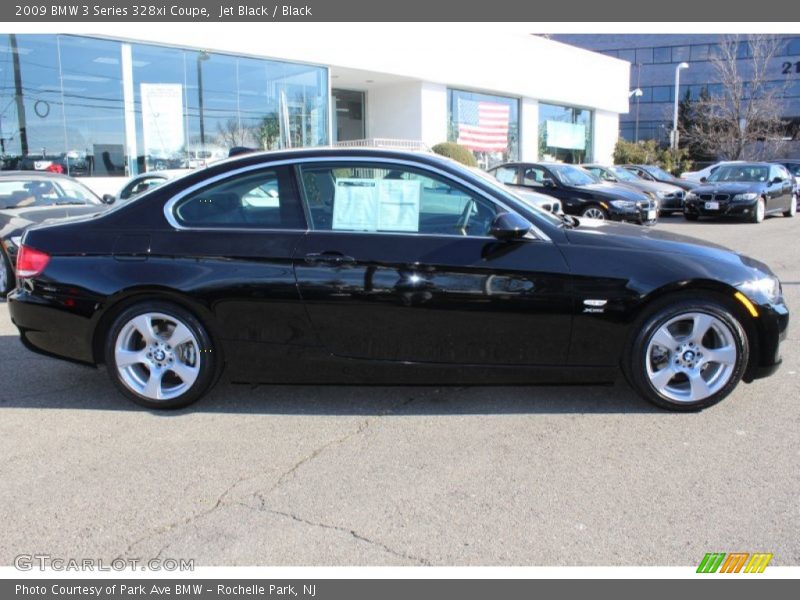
(483,126)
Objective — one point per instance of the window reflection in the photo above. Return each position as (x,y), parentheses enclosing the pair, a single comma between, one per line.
(486,124)
(62,105)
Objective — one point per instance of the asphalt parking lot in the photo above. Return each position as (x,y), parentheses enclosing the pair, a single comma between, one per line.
(316,475)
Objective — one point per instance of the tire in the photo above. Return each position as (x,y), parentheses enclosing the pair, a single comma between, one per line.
(670,360)
(792,210)
(690,216)
(595,212)
(758,213)
(156,373)
(7,278)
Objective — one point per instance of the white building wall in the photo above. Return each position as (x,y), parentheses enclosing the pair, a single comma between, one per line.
(395,111)
(553,72)
(606,132)
(434,113)
(529,130)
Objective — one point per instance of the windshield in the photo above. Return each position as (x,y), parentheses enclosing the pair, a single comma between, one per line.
(657,172)
(569,175)
(624,174)
(509,193)
(794,168)
(740,173)
(19,193)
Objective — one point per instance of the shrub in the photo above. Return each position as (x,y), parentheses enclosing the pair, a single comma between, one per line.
(457,152)
(649,153)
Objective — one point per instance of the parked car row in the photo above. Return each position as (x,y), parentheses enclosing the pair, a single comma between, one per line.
(365,265)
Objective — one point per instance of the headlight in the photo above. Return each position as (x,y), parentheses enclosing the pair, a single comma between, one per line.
(662,195)
(769,287)
(623,204)
(748,196)
(690,196)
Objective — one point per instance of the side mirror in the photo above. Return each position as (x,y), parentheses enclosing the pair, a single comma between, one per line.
(109,199)
(547,182)
(703,179)
(509,226)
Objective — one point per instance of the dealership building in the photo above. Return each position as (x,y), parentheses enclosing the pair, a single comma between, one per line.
(106,107)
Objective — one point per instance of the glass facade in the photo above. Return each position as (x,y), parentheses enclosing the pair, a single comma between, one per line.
(89,106)
(565,133)
(486,124)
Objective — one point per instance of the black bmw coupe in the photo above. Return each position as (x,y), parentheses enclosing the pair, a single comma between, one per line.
(378,266)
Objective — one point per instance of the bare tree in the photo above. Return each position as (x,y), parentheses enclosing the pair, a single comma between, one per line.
(741,119)
(233,133)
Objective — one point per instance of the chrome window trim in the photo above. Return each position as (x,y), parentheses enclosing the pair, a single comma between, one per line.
(170,204)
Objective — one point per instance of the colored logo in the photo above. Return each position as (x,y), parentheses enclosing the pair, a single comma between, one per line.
(734,562)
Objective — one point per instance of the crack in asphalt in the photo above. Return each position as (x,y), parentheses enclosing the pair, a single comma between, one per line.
(363,426)
(351,532)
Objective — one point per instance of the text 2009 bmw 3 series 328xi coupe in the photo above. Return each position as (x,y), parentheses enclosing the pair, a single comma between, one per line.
(377,266)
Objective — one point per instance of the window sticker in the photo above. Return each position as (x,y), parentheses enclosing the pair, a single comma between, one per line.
(376,205)
(399,205)
(355,205)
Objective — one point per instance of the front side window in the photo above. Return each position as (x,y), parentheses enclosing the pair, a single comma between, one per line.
(535,176)
(387,198)
(263,200)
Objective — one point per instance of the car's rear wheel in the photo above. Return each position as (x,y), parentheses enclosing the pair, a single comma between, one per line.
(594,212)
(688,354)
(792,210)
(160,355)
(758,211)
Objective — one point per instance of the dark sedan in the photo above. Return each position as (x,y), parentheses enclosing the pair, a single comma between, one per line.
(655,173)
(377,266)
(28,198)
(580,192)
(745,190)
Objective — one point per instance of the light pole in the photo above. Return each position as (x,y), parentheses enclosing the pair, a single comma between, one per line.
(202,57)
(637,93)
(683,65)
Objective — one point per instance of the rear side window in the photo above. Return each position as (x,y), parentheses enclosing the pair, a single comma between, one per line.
(263,200)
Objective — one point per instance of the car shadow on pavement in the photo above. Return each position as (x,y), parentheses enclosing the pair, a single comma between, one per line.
(31,381)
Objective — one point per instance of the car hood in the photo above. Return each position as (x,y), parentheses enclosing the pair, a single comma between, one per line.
(608,234)
(729,187)
(614,191)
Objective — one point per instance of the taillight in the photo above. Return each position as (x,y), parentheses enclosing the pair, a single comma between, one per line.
(30,261)
(55,168)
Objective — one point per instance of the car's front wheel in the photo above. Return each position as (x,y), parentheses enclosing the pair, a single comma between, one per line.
(792,210)
(594,212)
(160,355)
(759,210)
(688,354)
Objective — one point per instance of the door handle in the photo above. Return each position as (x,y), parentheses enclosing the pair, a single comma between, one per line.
(333,258)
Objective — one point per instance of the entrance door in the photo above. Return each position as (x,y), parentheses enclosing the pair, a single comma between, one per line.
(348,116)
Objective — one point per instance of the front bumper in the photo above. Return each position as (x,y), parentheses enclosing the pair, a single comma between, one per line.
(773,326)
(643,213)
(725,208)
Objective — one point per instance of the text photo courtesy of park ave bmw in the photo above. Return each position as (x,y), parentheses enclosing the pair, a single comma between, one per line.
(312,302)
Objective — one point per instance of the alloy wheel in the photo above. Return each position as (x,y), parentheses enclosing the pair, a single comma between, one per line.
(594,213)
(691,357)
(157,356)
